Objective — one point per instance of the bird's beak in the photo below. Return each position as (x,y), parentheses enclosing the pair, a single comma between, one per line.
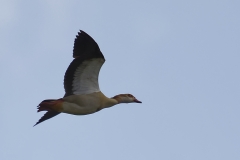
(137,101)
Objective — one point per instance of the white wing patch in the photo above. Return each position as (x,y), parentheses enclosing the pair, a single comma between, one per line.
(85,79)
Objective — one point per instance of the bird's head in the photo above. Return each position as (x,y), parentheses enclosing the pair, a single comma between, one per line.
(126,98)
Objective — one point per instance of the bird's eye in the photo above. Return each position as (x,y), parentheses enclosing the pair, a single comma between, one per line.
(129,95)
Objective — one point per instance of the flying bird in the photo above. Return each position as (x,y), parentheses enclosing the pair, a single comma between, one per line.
(82,92)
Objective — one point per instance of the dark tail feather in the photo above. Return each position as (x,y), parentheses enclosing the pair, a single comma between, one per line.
(46,116)
(47,105)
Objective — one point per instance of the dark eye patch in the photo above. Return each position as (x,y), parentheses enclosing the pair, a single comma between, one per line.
(129,95)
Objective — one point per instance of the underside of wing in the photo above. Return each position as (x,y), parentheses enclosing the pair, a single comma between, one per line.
(81,76)
(47,116)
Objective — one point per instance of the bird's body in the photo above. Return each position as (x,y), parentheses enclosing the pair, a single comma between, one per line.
(82,92)
(87,103)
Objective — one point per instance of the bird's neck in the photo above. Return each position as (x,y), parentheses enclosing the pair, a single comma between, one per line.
(115,100)
(111,102)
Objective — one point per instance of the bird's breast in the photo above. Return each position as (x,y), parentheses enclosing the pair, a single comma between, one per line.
(72,108)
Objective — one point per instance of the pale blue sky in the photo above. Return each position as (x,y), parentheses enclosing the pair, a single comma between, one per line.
(180,58)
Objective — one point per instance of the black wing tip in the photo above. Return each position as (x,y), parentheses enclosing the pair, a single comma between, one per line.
(84,44)
(36,124)
(81,32)
(47,116)
(39,121)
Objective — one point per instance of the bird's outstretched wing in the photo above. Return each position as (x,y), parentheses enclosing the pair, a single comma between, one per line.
(81,76)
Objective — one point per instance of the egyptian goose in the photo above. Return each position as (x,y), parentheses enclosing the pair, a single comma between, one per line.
(82,93)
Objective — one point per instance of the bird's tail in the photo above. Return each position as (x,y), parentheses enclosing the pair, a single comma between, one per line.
(51,105)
